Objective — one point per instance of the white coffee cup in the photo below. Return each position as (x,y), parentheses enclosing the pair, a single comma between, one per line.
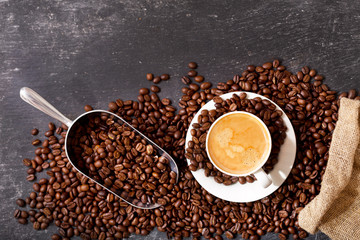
(263,178)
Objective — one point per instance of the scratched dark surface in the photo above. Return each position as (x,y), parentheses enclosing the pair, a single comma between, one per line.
(91,52)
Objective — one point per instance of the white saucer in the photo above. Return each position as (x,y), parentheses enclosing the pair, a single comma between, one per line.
(249,192)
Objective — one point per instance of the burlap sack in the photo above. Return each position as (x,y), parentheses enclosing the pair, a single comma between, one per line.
(336,210)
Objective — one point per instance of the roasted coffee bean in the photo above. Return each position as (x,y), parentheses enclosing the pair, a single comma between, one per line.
(149,76)
(113,106)
(27,162)
(205,85)
(17,213)
(156,80)
(88,108)
(36,142)
(192,65)
(164,77)
(192,73)
(154,89)
(22,221)
(185,80)
(20,202)
(199,78)
(352,94)
(24,214)
(143,91)
(30,177)
(267,65)
(34,132)
(51,126)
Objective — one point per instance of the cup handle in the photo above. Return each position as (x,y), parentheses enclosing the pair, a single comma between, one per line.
(263,178)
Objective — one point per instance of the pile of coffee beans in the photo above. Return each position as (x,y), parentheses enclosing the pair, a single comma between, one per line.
(123,161)
(93,213)
(262,108)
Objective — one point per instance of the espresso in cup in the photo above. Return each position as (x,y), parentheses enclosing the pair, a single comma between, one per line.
(238,143)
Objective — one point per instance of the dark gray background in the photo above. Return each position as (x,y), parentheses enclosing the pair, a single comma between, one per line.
(91,52)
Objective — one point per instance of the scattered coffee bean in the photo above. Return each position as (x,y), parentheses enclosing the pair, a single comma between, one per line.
(143,91)
(31,177)
(36,142)
(205,85)
(22,221)
(155,89)
(20,202)
(192,65)
(17,213)
(165,77)
(149,76)
(35,132)
(27,162)
(113,106)
(185,80)
(192,73)
(199,78)
(156,80)
(51,126)
(88,108)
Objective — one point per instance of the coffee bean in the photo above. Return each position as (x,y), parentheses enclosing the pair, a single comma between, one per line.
(156,80)
(283,214)
(276,63)
(51,126)
(36,142)
(318,78)
(149,76)
(199,78)
(88,108)
(267,65)
(27,162)
(196,218)
(36,225)
(192,65)
(17,213)
(352,94)
(143,91)
(34,132)
(229,235)
(20,202)
(49,133)
(194,87)
(192,73)
(164,77)
(185,80)
(205,85)
(31,177)
(155,89)
(113,106)
(22,221)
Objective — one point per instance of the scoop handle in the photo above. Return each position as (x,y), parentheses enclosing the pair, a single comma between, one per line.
(34,99)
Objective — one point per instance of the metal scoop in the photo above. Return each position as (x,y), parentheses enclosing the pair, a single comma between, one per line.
(72,151)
